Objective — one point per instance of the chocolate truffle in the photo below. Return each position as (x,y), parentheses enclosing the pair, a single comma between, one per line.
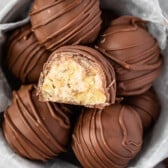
(148,107)
(77,75)
(135,54)
(107,138)
(58,23)
(33,129)
(25,57)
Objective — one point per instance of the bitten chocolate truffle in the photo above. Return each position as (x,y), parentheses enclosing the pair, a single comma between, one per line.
(107,138)
(36,130)
(58,23)
(135,54)
(25,57)
(148,107)
(77,75)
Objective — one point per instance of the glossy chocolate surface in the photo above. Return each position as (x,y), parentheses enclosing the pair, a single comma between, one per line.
(107,138)
(135,54)
(25,56)
(58,23)
(36,130)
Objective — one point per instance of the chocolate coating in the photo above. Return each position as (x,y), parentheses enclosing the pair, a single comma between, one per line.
(79,54)
(33,129)
(25,56)
(134,53)
(148,107)
(107,138)
(58,23)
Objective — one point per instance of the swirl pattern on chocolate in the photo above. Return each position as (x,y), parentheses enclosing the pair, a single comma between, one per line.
(86,76)
(36,130)
(148,107)
(58,23)
(107,138)
(25,56)
(135,54)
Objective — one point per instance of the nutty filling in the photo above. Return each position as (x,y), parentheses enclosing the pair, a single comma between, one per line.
(74,79)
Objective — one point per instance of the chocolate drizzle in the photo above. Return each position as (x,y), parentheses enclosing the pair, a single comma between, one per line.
(33,129)
(74,22)
(134,53)
(107,138)
(25,57)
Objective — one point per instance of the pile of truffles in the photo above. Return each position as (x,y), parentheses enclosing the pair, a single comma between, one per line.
(62,62)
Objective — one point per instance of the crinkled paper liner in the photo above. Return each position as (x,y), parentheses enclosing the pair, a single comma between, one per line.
(155,147)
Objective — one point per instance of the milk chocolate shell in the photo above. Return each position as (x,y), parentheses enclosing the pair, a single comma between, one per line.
(58,23)
(77,75)
(25,56)
(148,107)
(33,129)
(107,138)
(134,52)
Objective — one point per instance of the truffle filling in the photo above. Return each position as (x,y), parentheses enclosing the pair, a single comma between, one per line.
(73,78)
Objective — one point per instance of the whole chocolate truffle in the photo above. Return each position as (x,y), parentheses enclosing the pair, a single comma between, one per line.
(107,138)
(25,57)
(36,130)
(135,54)
(58,23)
(77,75)
(148,107)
